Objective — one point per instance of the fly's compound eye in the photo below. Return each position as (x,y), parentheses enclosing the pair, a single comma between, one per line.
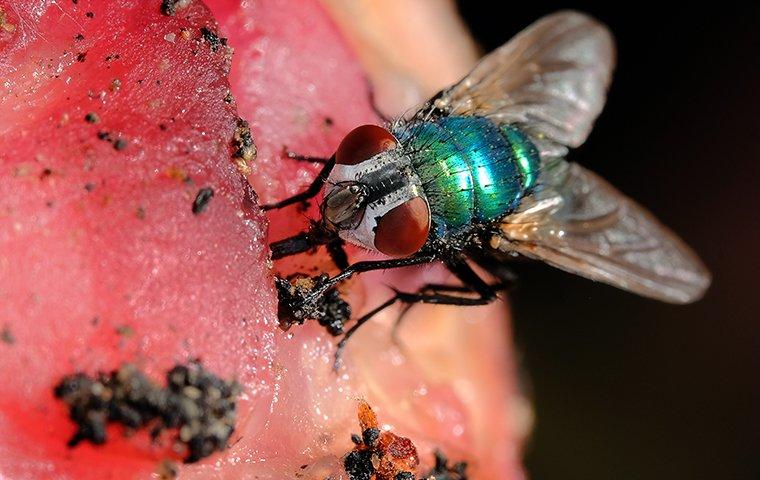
(343,207)
(404,229)
(362,143)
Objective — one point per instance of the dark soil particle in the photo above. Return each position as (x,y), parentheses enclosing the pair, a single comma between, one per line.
(214,40)
(92,117)
(167,470)
(196,404)
(358,465)
(81,57)
(202,199)
(79,37)
(243,141)
(6,336)
(170,7)
(89,15)
(443,471)
(120,144)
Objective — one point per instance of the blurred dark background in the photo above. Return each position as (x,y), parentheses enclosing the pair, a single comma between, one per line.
(625,387)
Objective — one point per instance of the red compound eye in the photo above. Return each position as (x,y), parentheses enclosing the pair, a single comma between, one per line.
(362,143)
(403,230)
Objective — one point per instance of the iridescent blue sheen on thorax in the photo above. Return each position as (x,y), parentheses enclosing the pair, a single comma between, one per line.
(472,170)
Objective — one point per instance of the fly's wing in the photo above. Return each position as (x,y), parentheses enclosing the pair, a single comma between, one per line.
(551,80)
(581,224)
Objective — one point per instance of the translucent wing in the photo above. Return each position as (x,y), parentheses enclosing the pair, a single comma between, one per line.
(551,80)
(581,224)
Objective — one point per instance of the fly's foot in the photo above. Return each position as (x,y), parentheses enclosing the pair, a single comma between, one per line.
(297,303)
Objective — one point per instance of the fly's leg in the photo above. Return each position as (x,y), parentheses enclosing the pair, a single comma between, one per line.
(495,267)
(311,192)
(472,284)
(373,104)
(303,158)
(435,288)
(294,245)
(337,251)
(368,266)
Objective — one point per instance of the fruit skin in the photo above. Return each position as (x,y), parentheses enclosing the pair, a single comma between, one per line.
(102,258)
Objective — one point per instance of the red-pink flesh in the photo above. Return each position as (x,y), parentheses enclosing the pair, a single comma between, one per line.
(93,240)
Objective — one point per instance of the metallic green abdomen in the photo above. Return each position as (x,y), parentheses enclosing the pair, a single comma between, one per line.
(472,170)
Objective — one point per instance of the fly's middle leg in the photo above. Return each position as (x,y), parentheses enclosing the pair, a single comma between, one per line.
(433,294)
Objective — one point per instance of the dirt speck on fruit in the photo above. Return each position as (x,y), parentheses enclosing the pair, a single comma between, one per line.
(443,471)
(202,200)
(170,7)
(92,117)
(214,40)
(196,404)
(245,149)
(167,470)
(120,144)
(6,336)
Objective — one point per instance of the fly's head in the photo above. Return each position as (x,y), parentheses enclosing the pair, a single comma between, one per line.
(374,198)
(344,205)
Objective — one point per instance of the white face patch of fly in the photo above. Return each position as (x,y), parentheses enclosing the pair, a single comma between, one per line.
(391,181)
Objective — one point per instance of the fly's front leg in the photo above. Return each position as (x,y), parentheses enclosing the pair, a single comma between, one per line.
(309,193)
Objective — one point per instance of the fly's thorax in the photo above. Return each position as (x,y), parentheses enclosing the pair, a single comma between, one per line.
(378,204)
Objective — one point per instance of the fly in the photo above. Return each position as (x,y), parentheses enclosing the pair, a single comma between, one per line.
(478,174)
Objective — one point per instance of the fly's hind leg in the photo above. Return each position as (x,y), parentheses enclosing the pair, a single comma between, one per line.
(435,294)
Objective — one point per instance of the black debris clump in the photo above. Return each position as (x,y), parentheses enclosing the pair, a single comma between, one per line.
(443,471)
(170,7)
(358,465)
(214,40)
(197,404)
(118,143)
(92,117)
(243,141)
(245,149)
(295,304)
(202,199)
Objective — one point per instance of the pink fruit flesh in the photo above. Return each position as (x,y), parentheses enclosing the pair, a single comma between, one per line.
(103,261)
